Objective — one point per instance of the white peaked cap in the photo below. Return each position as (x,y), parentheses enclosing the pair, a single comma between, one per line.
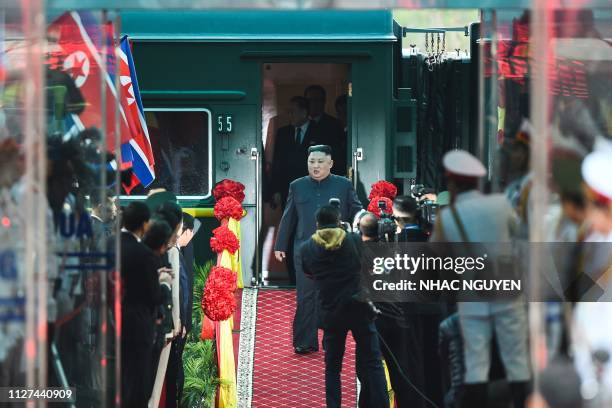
(597,172)
(463,163)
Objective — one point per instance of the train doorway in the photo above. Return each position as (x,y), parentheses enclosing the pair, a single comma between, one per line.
(287,89)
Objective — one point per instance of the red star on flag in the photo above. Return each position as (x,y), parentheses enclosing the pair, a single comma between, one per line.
(77,68)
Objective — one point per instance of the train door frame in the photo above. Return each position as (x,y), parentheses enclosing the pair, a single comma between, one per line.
(346,62)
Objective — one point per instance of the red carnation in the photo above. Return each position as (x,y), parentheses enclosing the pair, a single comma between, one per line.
(218,301)
(228,207)
(383,189)
(373,206)
(229,188)
(223,238)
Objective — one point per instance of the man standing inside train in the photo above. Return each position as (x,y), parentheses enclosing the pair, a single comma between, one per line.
(330,130)
(306,196)
(290,156)
(291,150)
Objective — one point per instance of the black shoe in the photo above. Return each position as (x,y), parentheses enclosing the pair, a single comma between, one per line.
(304,350)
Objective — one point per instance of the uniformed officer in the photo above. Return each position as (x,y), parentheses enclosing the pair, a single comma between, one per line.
(596,170)
(593,340)
(306,195)
(474,217)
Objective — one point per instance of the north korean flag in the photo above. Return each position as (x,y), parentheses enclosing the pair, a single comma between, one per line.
(85,50)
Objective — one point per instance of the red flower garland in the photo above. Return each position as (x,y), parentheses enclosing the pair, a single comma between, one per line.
(223,238)
(218,301)
(373,206)
(383,189)
(229,188)
(228,207)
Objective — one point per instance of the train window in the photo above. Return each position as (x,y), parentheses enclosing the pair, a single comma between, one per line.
(182,148)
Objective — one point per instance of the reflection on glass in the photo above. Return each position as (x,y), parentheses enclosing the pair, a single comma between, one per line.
(180,147)
(80,187)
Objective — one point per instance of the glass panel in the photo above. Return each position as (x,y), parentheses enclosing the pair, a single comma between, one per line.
(82,133)
(571,95)
(180,140)
(23,275)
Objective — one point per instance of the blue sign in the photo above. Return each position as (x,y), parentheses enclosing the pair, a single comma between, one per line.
(8,265)
(69,226)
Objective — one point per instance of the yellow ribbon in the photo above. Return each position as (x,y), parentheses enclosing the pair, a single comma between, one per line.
(227,368)
(389,389)
(234,226)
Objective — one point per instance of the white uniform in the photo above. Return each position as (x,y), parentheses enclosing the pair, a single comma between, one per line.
(591,333)
(486,219)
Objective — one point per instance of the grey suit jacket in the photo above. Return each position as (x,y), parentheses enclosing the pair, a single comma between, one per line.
(306,196)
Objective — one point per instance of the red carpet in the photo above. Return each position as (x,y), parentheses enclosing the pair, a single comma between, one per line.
(282,378)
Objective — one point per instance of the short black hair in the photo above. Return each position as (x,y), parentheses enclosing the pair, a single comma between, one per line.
(158,234)
(576,199)
(406,204)
(464,183)
(188,221)
(135,215)
(320,148)
(301,102)
(315,88)
(341,100)
(169,214)
(368,225)
(173,208)
(100,196)
(328,215)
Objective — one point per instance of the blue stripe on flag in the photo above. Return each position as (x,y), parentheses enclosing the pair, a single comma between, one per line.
(140,168)
(125,46)
(126,153)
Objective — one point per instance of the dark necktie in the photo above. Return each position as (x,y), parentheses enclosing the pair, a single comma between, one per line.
(298,135)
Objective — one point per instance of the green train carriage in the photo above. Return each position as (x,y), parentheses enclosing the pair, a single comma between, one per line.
(207,75)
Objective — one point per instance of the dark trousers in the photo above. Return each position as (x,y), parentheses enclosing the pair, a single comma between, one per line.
(174,372)
(290,266)
(289,259)
(305,321)
(180,379)
(403,347)
(368,361)
(432,371)
(136,386)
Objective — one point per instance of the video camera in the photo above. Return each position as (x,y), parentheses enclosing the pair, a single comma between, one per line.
(386,224)
(335,202)
(426,209)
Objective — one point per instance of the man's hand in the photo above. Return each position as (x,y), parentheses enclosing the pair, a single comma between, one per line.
(165,269)
(280,255)
(165,275)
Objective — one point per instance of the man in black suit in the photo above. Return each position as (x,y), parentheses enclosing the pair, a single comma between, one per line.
(291,149)
(289,161)
(142,294)
(306,195)
(330,130)
(175,375)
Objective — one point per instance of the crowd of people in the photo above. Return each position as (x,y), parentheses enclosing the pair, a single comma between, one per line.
(446,354)
(157,297)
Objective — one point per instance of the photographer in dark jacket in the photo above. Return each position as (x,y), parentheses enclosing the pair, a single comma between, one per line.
(405,212)
(421,319)
(331,258)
